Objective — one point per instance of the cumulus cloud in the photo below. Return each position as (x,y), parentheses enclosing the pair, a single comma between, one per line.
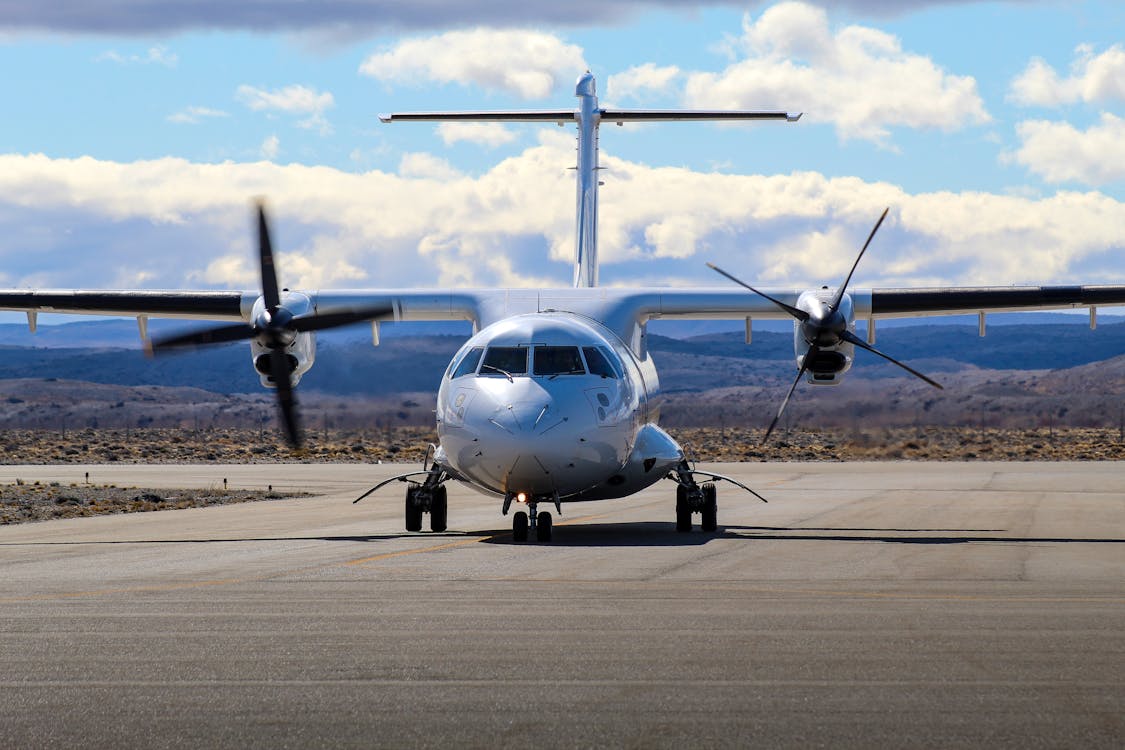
(529,64)
(489,134)
(154,56)
(424,166)
(425,225)
(294,100)
(639,81)
(270,147)
(1093,78)
(855,77)
(1059,152)
(195,115)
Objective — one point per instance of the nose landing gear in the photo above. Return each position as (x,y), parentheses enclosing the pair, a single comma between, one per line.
(539,522)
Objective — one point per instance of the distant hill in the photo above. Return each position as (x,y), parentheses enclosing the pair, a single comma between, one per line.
(349,364)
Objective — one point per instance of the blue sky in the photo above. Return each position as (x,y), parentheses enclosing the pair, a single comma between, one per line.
(136,132)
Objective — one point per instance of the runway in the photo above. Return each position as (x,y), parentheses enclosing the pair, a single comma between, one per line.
(903,604)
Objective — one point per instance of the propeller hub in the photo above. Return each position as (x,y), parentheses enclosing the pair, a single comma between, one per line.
(275,329)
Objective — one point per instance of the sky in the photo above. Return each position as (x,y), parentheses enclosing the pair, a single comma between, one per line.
(136,133)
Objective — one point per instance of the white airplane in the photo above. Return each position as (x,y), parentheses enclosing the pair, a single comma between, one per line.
(554,399)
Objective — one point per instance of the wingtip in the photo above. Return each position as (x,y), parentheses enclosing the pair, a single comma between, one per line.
(794,118)
(385,118)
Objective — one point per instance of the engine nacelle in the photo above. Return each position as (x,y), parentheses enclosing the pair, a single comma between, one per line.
(831,362)
(300,352)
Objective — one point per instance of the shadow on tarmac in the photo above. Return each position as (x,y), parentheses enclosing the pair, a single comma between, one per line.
(641,534)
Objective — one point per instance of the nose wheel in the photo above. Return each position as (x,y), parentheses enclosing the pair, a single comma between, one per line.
(523,524)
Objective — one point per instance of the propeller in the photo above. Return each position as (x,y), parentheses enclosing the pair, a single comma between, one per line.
(275,328)
(825,327)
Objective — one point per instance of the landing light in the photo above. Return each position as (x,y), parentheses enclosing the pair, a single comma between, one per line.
(521,498)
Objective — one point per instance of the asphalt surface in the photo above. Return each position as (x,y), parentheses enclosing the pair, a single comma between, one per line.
(896,604)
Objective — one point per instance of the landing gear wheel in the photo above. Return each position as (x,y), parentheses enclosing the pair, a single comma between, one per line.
(710,511)
(413,511)
(543,527)
(683,509)
(519,527)
(438,509)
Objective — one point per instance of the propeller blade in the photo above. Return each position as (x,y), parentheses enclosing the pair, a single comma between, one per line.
(844,287)
(270,293)
(797,313)
(218,335)
(321,321)
(852,338)
(279,371)
(812,352)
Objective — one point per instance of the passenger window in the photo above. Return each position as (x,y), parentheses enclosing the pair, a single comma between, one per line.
(505,360)
(469,363)
(558,360)
(599,363)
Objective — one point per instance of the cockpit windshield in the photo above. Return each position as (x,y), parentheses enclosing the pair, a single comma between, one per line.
(505,360)
(469,363)
(599,363)
(558,360)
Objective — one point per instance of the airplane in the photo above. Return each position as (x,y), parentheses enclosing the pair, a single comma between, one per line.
(554,398)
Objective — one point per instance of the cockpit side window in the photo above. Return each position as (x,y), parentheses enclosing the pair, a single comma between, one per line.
(599,363)
(505,360)
(469,362)
(558,360)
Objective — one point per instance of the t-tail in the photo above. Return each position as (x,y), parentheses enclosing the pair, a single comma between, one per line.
(588,117)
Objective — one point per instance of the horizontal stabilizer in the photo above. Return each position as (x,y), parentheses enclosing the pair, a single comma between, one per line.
(674,115)
(530,115)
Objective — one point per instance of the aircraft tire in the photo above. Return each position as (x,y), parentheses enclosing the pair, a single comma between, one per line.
(413,512)
(519,527)
(710,513)
(683,510)
(439,510)
(543,527)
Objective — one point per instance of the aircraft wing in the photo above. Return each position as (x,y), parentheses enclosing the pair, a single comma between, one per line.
(902,303)
(201,305)
(714,303)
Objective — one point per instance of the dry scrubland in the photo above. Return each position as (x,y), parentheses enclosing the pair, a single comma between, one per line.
(409,444)
(23,502)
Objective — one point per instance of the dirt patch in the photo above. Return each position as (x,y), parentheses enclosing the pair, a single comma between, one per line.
(22,503)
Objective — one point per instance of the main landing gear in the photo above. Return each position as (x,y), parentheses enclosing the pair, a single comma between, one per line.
(524,524)
(420,499)
(696,498)
(693,497)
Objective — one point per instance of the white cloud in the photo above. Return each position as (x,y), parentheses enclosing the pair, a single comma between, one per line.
(490,134)
(153,56)
(1093,78)
(293,100)
(529,64)
(514,225)
(195,115)
(856,77)
(424,166)
(639,81)
(270,147)
(1059,152)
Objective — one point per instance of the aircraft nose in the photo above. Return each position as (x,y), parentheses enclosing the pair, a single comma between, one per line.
(527,437)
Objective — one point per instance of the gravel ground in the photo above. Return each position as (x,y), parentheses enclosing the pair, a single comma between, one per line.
(21,503)
(409,445)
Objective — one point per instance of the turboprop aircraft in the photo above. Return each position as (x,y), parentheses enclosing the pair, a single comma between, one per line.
(554,397)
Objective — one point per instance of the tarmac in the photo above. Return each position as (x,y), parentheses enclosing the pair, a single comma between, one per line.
(896,604)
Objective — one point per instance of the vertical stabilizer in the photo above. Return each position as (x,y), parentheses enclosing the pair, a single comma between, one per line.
(588,117)
(586,209)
